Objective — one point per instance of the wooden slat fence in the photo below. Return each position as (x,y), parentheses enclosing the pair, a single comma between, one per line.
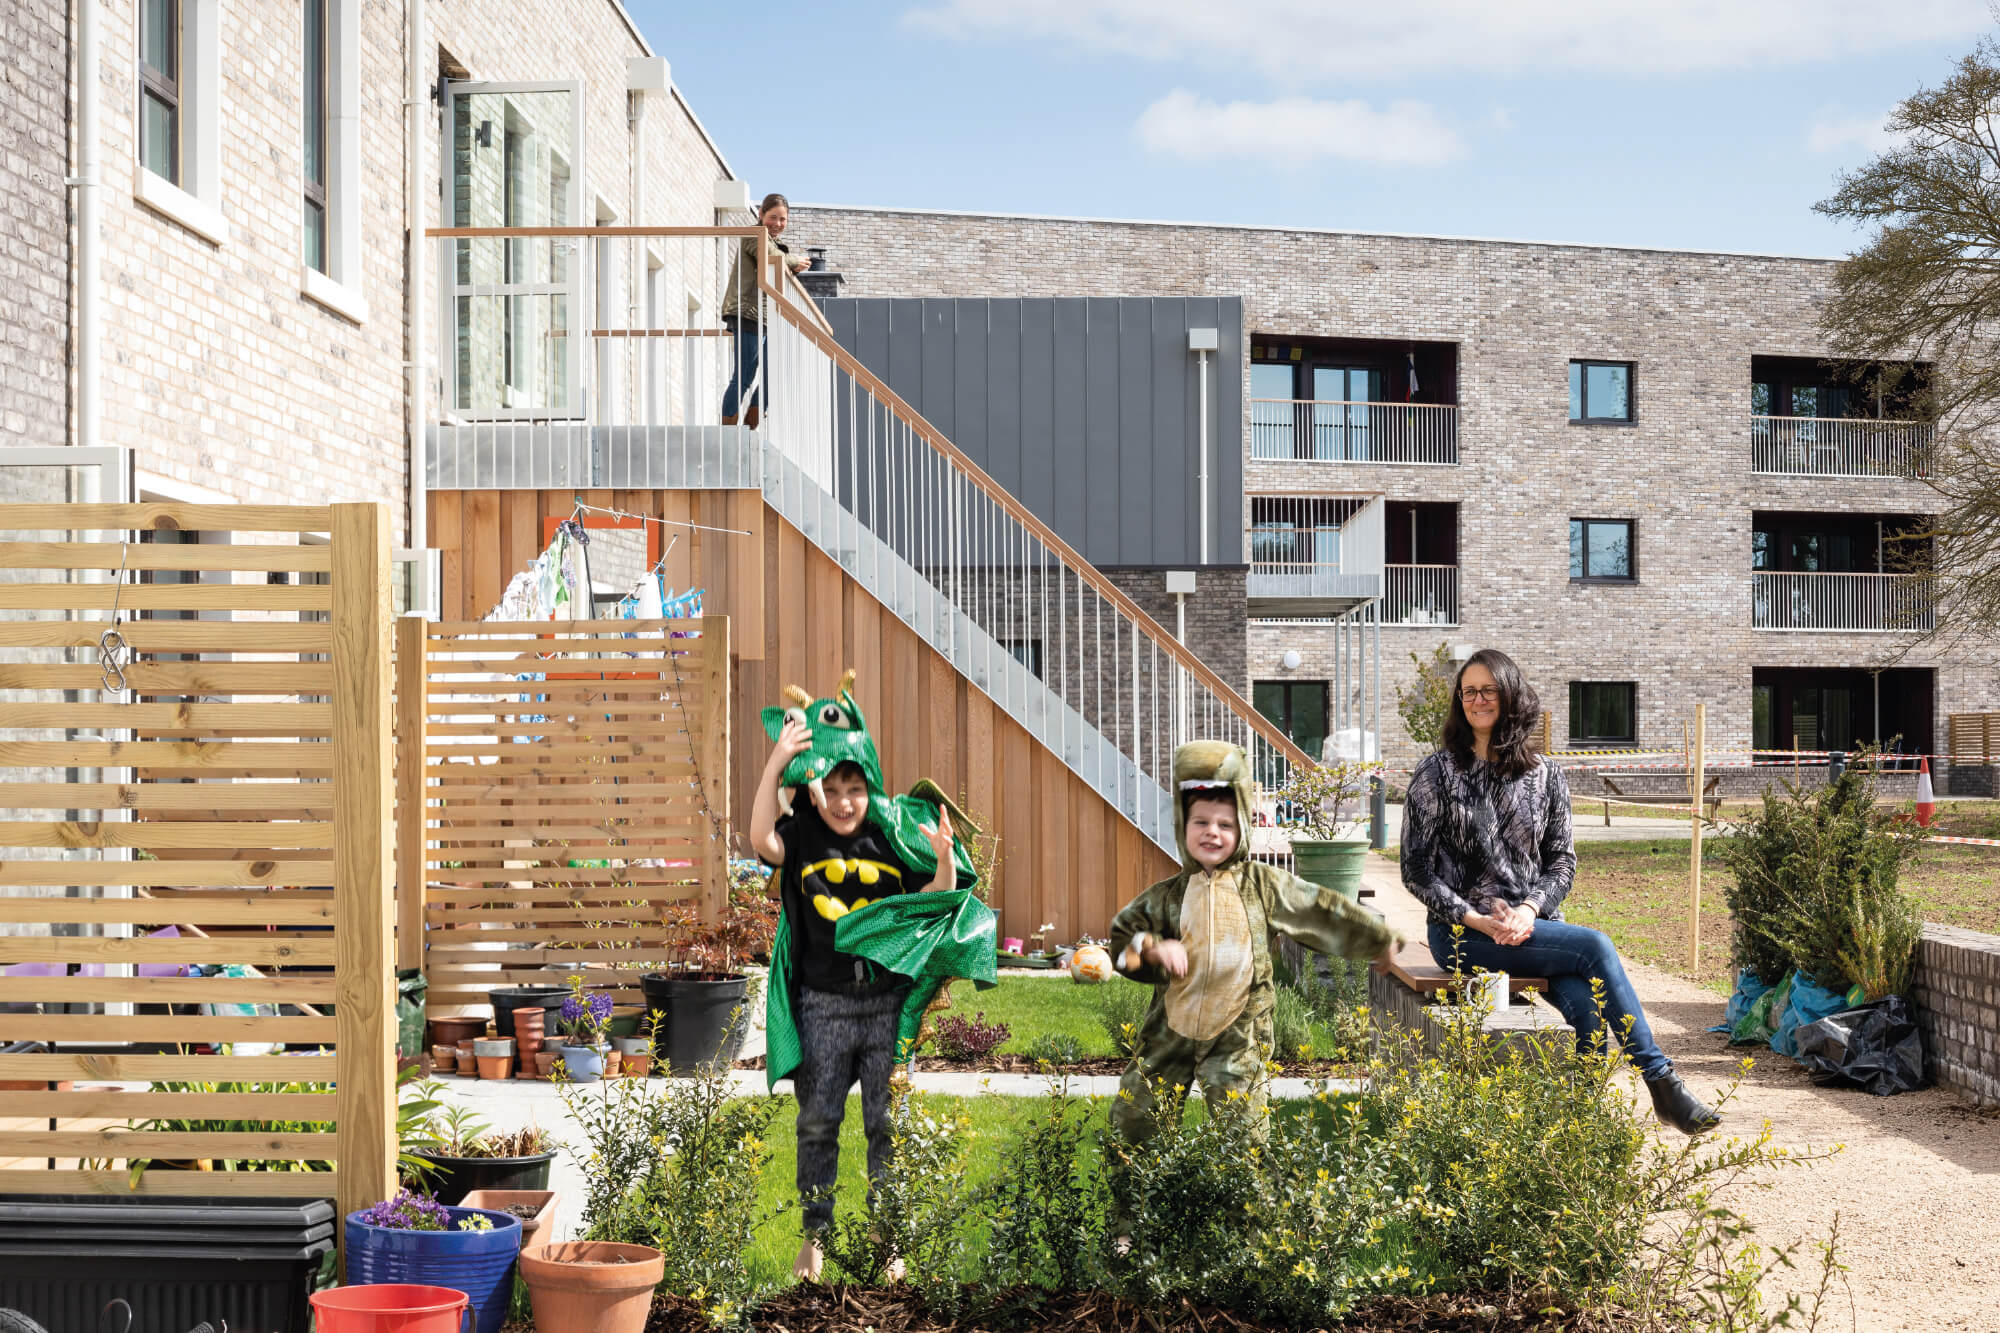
(575,795)
(1975,738)
(231,806)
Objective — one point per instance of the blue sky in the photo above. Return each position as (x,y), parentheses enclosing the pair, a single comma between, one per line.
(1704,124)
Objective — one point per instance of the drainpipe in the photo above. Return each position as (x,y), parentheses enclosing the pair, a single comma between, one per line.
(89,328)
(416,98)
(1201,342)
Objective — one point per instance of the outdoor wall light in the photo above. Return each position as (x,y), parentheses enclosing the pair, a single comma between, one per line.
(1292,660)
(485,135)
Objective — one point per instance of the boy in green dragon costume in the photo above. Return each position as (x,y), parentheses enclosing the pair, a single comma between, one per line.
(1202,941)
(860,952)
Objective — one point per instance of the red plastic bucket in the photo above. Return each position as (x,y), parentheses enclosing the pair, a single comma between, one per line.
(390,1307)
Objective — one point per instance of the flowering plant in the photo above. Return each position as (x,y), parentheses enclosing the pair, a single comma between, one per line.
(584,1013)
(407,1212)
(1316,795)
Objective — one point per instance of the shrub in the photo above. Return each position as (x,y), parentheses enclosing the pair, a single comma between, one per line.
(1122,1010)
(916,1209)
(961,1038)
(1426,706)
(1291,1024)
(1816,888)
(1055,1048)
(1048,1211)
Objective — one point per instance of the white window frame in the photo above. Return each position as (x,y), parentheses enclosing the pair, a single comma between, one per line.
(195,203)
(340,288)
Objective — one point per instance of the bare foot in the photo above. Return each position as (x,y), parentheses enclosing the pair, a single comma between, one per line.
(1122,1246)
(806,1267)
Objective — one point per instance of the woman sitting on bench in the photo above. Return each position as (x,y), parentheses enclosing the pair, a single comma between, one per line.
(1487,846)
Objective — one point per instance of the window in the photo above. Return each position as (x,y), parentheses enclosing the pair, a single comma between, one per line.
(1600,391)
(1603,713)
(1297,708)
(1273,423)
(160,88)
(314,70)
(1601,548)
(1028,652)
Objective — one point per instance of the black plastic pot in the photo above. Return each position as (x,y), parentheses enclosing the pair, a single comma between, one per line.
(458,1176)
(175,1262)
(698,1007)
(507,999)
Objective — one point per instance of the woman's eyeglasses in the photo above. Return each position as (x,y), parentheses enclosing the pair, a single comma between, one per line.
(1483,693)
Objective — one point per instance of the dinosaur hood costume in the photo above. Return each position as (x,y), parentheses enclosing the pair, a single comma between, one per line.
(1214,1023)
(930,938)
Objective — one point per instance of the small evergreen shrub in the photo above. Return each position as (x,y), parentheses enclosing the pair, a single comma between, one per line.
(1055,1049)
(1122,1010)
(961,1038)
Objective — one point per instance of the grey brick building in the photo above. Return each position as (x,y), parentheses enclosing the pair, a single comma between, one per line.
(1631,468)
(34,250)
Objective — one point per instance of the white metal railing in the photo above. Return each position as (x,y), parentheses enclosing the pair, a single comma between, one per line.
(1322,431)
(1420,594)
(1866,602)
(941,544)
(1840,447)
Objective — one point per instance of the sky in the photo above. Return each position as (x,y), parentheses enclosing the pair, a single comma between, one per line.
(1694,124)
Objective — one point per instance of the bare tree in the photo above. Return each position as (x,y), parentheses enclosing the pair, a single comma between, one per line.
(1927,286)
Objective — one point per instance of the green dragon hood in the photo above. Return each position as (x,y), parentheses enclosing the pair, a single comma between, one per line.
(1208,764)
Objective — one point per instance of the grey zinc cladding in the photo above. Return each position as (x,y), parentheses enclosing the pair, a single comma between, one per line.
(1085,409)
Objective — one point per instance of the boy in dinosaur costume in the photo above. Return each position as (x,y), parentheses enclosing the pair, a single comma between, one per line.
(1202,941)
(860,953)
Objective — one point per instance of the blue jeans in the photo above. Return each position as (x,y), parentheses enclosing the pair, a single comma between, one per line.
(749,338)
(1571,957)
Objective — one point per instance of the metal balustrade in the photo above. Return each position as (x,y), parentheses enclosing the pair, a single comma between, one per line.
(1863,602)
(1053,640)
(1840,447)
(1292,430)
(1420,594)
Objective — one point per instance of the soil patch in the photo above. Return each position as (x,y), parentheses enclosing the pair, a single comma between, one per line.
(1111,1066)
(833,1309)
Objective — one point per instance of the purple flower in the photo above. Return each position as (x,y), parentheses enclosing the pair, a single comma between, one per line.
(407,1212)
(584,1013)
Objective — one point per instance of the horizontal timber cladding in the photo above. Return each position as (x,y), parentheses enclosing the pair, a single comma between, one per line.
(572,797)
(226,811)
(1067,855)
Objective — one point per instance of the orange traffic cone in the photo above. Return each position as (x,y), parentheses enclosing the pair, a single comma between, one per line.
(1926,798)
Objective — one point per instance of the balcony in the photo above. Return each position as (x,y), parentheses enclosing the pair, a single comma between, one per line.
(1840,447)
(1296,430)
(1313,556)
(1420,595)
(1864,603)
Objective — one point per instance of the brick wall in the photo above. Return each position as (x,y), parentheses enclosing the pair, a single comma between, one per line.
(1214,615)
(1518,313)
(34,242)
(1957,997)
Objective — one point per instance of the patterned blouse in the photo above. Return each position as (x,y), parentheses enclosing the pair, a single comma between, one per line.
(1471,836)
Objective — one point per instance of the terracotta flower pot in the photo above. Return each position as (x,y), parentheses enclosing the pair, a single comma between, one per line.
(444,1059)
(495,1066)
(545,1061)
(591,1286)
(638,1066)
(612,1062)
(535,1208)
(451,1031)
(468,1063)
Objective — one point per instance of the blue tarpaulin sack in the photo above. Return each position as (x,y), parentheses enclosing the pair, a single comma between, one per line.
(1808,1004)
(1749,989)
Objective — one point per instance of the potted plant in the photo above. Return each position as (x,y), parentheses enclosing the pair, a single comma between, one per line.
(509,1000)
(582,1049)
(414,1239)
(703,995)
(1327,848)
(495,1056)
(464,1155)
(591,1286)
(535,1209)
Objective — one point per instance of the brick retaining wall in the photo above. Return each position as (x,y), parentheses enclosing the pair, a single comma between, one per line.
(1957,997)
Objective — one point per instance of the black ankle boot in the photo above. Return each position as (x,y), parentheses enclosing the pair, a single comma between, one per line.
(1676,1106)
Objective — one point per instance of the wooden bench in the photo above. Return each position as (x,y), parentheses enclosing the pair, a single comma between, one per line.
(1709,798)
(1415,968)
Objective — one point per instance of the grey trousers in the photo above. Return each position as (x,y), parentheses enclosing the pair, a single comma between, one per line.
(842,1039)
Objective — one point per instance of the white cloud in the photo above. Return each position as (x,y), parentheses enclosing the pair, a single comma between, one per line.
(1500,118)
(1303,42)
(1837,134)
(1291,130)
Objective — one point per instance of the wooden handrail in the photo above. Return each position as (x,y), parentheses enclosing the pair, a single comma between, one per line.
(1082,568)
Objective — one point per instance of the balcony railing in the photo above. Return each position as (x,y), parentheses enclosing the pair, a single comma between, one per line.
(1840,447)
(1864,602)
(1293,430)
(1420,594)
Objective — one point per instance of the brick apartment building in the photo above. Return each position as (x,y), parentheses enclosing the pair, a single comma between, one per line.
(1631,468)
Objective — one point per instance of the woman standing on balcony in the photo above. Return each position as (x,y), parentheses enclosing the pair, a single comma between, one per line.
(1487,848)
(740,305)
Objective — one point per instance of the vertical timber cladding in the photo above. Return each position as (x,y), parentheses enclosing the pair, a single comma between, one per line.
(575,798)
(228,809)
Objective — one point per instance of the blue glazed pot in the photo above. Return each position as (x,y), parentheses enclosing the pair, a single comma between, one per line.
(584,1063)
(478,1263)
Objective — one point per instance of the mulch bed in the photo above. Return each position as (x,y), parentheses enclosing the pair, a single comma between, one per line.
(1112,1065)
(832,1309)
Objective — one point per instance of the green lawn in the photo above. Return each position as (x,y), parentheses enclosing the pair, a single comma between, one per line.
(1033,1006)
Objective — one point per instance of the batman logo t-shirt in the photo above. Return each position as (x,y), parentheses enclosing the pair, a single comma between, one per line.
(826,876)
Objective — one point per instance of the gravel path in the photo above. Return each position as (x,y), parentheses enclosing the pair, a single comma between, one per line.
(1916,1185)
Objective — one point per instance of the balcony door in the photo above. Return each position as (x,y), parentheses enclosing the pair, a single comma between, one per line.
(1342,425)
(515,305)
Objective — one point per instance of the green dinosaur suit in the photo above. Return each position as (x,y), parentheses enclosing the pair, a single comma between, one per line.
(931,938)
(1214,1024)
